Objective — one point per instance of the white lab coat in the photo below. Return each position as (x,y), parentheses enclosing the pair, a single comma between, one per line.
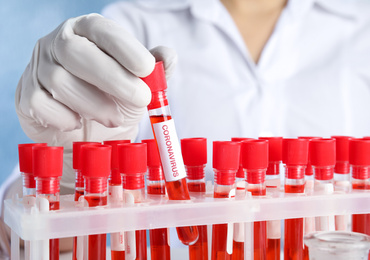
(313,77)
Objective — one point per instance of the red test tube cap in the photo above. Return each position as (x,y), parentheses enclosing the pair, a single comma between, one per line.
(359,152)
(115,177)
(156,81)
(255,154)
(194,151)
(133,158)
(342,147)
(77,153)
(96,160)
(153,158)
(226,155)
(322,152)
(295,151)
(25,156)
(275,148)
(47,161)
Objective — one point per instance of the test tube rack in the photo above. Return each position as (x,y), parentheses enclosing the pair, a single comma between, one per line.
(29,221)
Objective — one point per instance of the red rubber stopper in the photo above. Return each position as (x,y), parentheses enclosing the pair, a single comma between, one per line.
(226,155)
(115,176)
(194,151)
(96,160)
(77,153)
(359,151)
(133,164)
(275,148)
(155,172)
(342,154)
(157,83)
(25,156)
(255,154)
(295,151)
(322,154)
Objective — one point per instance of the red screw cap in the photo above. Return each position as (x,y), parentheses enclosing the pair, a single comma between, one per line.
(295,151)
(275,148)
(96,160)
(25,156)
(47,161)
(342,154)
(156,81)
(153,158)
(115,176)
(226,155)
(322,152)
(155,172)
(255,154)
(194,151)
(359,152)
(133,158)
(77,153)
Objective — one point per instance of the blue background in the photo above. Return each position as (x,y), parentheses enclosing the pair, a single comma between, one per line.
(22,23)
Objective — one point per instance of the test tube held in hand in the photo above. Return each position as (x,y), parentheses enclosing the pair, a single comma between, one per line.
(159,238)
(95,168)
(194,152)
(48,170)
(168,144)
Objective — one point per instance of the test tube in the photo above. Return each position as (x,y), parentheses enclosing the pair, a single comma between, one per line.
(159,238)
(240,174)
(255,163)
(359,159)
(194,152)
(79,187)
(115,197)
(25,167)
(322,154)
(309,176)
(226,155)
(28,180)
(133,165)
(342,179)
(168,144)
(295,156)
(95,168)
(273,184)
(48,170)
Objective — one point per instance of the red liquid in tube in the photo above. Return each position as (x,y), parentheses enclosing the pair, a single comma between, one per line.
(167,140)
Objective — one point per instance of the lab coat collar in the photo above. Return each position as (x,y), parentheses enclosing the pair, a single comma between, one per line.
(341,8)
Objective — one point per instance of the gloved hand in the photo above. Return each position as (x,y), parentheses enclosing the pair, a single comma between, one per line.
(82,84)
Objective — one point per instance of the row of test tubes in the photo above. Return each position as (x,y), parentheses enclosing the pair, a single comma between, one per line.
(240,165)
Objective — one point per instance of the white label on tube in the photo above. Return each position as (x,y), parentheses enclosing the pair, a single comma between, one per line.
(273,229)
(117,241)
(169,150)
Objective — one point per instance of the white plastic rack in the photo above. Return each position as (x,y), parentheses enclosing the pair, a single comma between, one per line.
(30,222)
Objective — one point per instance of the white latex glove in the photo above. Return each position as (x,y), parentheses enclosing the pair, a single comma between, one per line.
(82,84)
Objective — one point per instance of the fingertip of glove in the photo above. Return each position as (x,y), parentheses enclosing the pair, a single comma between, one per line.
(142,95)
